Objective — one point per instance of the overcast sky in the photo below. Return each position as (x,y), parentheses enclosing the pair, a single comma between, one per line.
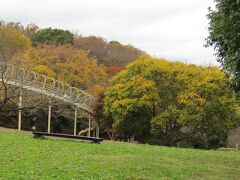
(173,29)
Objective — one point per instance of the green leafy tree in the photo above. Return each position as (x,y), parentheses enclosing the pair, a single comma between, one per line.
(52,37)
(224,29)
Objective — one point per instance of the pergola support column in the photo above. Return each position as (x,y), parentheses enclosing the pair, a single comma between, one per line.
(49,117)
(97,131)
(89,126)
(75,122)
(20,111)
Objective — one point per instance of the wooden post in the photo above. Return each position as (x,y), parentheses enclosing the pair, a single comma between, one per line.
(49,117)
(75,122)
(89,126)
(20,111)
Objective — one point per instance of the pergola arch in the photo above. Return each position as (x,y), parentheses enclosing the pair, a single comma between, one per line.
(50,87)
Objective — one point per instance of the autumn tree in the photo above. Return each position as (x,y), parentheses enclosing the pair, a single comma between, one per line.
(27,31)
(191,101)
(66,64)
(120,55)
(12,42)
(52,37)
(12,46)
(111,54)
(30,30)
(96,46)
(130,102)
(113,70)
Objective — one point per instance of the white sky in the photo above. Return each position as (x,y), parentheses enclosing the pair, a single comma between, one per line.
(173,29)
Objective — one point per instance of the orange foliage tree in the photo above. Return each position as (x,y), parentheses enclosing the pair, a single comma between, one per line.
(110,53)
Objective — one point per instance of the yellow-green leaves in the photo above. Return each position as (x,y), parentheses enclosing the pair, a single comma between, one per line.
(170,96)
(130,102)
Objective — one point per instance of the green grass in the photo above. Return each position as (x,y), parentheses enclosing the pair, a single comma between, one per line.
(23,157)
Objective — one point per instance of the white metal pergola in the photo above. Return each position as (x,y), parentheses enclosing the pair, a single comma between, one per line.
(54,89)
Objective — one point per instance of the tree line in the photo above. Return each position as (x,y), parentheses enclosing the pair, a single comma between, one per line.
(139,97)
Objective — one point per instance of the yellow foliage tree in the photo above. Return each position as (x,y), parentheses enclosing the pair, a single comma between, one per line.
(12,42)
(66,64)
(193,97)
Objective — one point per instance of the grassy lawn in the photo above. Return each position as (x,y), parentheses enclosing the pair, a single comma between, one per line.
(23,157)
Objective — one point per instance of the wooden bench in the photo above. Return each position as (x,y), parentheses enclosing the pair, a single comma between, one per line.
(92,139)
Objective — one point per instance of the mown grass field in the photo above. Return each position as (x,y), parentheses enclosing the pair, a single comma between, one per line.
(23,157)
